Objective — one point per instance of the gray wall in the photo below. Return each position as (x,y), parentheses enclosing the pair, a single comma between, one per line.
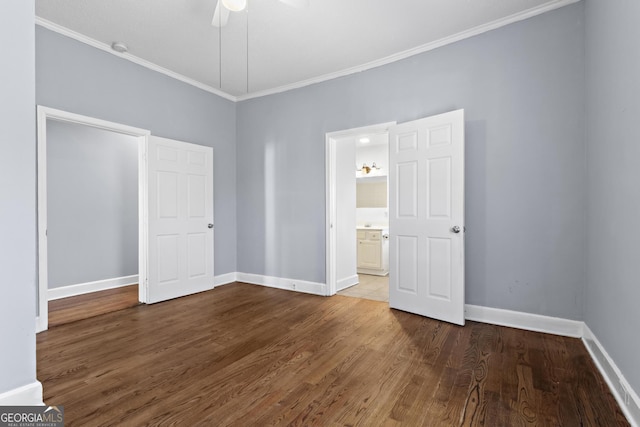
(17,196)
(613,138)
(522,88)
(92,206)
(78,78)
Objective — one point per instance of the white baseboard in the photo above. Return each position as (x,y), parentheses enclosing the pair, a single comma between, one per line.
(281,283)
(86,288)
(373,271)
(27,395)
(625,395)
(41,324)
(528,321)
(346,282)
(225,279)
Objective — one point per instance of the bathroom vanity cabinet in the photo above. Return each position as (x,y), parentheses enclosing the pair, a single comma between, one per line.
(373,251)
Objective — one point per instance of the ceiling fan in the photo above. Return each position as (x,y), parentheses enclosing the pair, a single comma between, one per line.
(221,15)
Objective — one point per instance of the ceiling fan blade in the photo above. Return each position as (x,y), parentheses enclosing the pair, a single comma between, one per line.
(296,3)
(220,16)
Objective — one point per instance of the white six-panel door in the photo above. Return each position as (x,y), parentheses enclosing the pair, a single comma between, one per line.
(180,219)
(426,217)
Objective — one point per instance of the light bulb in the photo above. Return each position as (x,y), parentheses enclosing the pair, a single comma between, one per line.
(235,5)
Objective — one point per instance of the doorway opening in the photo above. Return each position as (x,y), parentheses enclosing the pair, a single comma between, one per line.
(357,212)
(70,236)
(426,214)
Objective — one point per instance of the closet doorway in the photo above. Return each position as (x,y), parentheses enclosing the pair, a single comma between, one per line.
(90,191)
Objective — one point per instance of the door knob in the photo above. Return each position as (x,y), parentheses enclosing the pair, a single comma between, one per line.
(455,229)
(210,225)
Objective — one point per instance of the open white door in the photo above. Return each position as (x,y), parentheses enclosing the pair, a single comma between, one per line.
(426,217)
(180,219)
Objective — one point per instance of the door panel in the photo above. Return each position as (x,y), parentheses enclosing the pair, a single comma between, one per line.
(180,208)
(426,203)
(405,275)
(407,189)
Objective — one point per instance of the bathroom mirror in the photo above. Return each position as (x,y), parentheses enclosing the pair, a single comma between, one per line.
(371,194)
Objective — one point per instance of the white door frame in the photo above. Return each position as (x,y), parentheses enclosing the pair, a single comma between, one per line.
(44,114)
(331,195)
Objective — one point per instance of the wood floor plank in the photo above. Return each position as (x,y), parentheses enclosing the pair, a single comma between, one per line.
(71,309)
(248,355)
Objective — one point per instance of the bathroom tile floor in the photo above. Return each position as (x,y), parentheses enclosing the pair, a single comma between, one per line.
(370,287)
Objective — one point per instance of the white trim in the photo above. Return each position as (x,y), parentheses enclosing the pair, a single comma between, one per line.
(44,114)
(225,279)
(42,323)
(331,139)
(129,57)
(527,321)
(620,388)
(89,287)
(27,395)
(520,16)
(373,271)
(347,282)
(282,283)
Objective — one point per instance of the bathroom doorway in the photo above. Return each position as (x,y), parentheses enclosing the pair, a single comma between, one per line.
(358,220)
(426,214)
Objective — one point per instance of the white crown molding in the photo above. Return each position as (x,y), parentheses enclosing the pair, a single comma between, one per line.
(27,395)
(136,60)
(520,16)
(624,394)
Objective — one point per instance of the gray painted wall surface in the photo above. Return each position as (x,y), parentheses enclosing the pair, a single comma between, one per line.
(78,78)
(17,196)
(92,206)
(613,138)
(522,88)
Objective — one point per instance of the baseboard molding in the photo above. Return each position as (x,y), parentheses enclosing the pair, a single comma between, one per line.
(27,395)
(623,392)
(41,324)
(346,282)
(225,279)
(86,288)
(528,321)
(282,283)
(373,272)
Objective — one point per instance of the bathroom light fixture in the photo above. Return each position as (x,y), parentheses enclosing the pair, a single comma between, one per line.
(119,47)
(367,169)
(365,140)
(235,5)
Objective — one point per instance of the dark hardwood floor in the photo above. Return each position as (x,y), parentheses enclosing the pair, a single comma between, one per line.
(247,355)
(67,310)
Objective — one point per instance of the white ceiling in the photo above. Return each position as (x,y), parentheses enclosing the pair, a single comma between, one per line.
(286,46)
